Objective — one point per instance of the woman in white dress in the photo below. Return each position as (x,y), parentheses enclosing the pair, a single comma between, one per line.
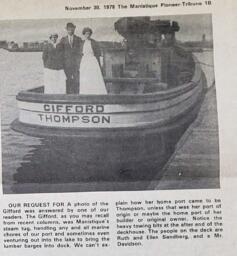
(54,76)
(91,78)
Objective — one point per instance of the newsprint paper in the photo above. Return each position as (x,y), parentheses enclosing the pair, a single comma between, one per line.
(118,127)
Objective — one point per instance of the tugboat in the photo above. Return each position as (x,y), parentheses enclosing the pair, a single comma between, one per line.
(155,90)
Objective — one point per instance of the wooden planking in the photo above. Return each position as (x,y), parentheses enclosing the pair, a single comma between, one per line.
(120,119)
(109,108)
(195,164)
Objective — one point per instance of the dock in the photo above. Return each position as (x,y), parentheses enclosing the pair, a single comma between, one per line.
(195,162)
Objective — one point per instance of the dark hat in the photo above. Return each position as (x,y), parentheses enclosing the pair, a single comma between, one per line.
(70,25)
(86,29)
(170,27)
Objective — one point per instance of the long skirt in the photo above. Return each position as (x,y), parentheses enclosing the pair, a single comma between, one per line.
(54,81)
(91,79)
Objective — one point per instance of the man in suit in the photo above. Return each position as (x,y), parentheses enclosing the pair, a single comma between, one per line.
(71,46)
(177,63)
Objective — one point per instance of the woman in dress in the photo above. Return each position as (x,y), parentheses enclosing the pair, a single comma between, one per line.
(54,76)
(91,78)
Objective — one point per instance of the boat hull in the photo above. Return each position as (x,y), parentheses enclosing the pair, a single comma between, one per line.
(139,139)
(117,155)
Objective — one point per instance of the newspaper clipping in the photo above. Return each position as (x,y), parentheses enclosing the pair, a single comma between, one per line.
(118,123)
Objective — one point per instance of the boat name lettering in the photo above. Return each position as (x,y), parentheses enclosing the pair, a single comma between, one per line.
(54,118)
(68,108)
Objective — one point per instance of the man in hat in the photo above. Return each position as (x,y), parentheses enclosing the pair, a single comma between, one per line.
(71,47)
(177,63)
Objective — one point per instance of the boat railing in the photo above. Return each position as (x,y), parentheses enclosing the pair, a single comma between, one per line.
(37,95)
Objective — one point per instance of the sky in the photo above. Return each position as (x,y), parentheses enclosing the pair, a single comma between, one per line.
(192,27)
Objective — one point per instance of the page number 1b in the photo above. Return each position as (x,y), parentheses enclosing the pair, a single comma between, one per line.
(208,2)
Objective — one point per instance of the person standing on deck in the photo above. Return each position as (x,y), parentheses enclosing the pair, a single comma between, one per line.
(71,47)
(54,77)
(91,78)
(178,64)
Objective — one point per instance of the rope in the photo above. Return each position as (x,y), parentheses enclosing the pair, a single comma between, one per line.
(202,63)
(212,85)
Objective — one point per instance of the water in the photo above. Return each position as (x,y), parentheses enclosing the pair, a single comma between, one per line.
(39,165)
(19,71)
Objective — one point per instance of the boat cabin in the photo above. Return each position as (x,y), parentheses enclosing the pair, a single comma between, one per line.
(145,63)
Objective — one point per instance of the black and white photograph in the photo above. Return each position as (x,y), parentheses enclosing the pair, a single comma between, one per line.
(108,104)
